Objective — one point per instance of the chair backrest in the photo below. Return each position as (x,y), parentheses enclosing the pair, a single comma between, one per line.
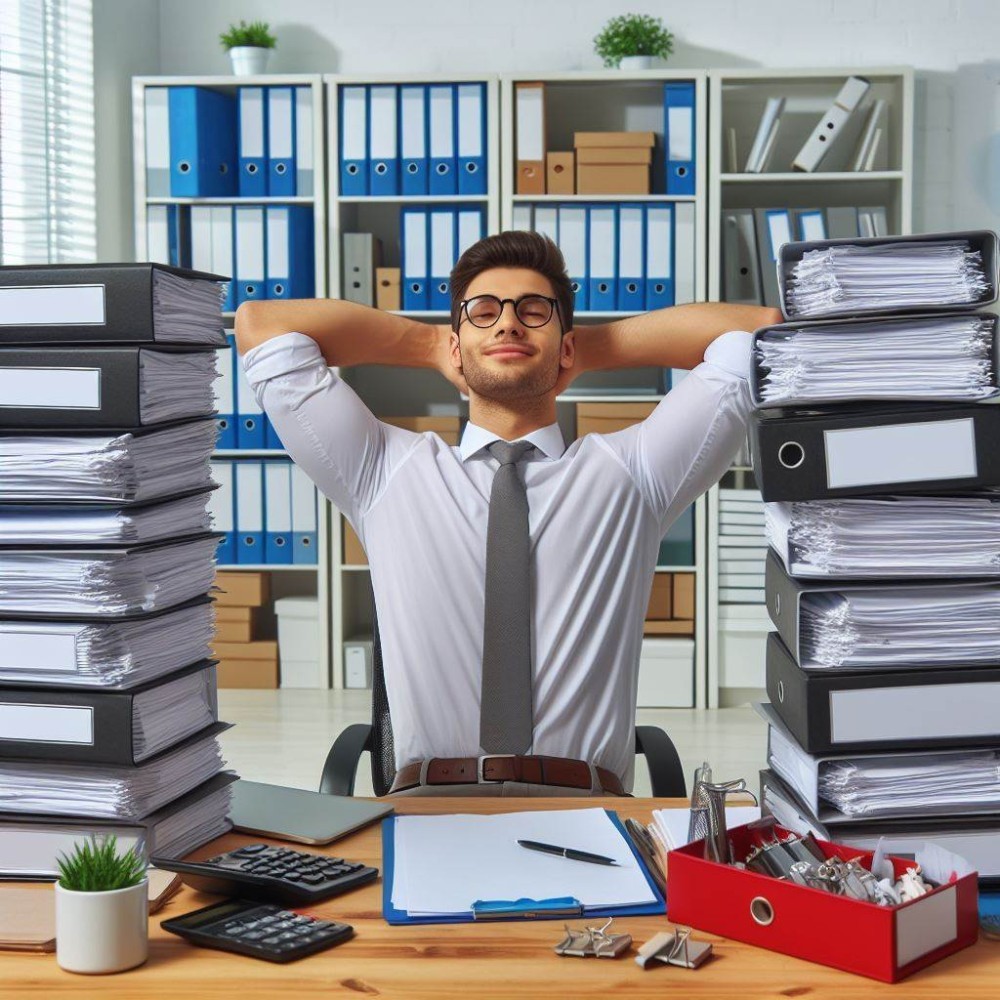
(382,750)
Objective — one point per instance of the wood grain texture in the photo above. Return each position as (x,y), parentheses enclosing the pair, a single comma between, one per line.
(470,961)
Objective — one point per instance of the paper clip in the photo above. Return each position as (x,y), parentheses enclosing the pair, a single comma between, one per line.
(674,948)
(593,941)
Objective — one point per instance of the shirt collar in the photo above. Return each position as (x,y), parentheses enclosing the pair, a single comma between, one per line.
(548,440)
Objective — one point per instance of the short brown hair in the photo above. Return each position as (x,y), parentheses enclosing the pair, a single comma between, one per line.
(514,248)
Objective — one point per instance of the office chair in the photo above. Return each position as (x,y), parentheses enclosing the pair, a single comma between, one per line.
(341,767)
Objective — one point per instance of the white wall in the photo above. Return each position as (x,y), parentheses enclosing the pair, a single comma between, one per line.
(946,41)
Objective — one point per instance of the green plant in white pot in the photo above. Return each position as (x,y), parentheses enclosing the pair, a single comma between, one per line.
(633,41)
(102,909)
(249,46)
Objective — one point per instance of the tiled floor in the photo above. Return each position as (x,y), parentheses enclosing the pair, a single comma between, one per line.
(283,736)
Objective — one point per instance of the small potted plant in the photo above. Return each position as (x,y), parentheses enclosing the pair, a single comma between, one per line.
(249,46)
(632,41)
(102,909)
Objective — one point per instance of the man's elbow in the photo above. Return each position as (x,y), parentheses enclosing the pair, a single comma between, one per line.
(249,327)
(770,317)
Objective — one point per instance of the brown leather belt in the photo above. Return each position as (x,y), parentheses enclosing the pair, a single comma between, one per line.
(563,772)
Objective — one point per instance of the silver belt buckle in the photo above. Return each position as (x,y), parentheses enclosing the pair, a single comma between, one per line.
(482,779)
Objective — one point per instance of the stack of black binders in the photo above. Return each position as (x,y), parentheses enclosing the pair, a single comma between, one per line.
(875,448)
(108,710)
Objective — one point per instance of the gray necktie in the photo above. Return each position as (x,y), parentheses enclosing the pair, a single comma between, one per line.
(505,715)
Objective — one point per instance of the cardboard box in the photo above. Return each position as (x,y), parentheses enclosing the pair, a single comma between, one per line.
(676,626)
(684,595)
(447,428)
(661,598)
(235,613)
(666,674)
(560,174)
(236,673)
(354,551)
(743,630)
(614,154)
(530,177)
(613,139)
(605,418)
(387,282)
(612,178)
(265,649)
(233,631)
(243,589)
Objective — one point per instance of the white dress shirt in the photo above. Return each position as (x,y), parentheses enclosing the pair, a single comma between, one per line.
(597,512)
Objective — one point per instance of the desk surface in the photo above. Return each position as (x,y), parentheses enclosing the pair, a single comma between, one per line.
(471,961)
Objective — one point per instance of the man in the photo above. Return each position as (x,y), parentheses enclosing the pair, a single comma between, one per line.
(507,634)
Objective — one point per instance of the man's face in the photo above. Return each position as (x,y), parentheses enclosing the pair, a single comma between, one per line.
(511,360)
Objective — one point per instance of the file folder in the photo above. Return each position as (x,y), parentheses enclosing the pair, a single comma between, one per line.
(361,255)
(471,99)
(416,290)
(529,129)
(443,223)
(249,238)
(521,217)
(841,222)
(383,154)
(304,143)
(470,229)
(413,140)
(106,727)
(740,266)
(603,267)
(441,113)
(252,131)
(631,265)
(815,456)
(224,263)
(167,237)
(278,512)
(251,429)
(678,137)
(281,142)
(272,441)
(202,143)
(225,394)
(546,222)
(659,256)
(249,480)
(157,108)
(353,141)
(304,518)
(774,230)
(574,243)
(290,261)
(222,507)
(201,237)
(831,126)
(809,224)
(863,710)
(685,253)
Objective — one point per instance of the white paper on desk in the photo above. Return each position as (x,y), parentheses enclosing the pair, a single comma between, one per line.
(443,864)
(671,825)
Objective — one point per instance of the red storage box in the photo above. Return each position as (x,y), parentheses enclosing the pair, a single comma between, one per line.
(882,942)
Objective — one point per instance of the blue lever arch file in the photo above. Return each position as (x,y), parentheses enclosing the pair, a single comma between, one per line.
(202,143)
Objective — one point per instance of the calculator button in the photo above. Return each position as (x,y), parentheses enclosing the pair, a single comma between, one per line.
(253,935)
(250,849)
(313,879)
(273,939)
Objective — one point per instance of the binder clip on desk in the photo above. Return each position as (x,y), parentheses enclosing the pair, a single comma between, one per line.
(596,941)
(675,947)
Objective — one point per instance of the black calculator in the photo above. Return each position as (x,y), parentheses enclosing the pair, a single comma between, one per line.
(260,930)
(271,874)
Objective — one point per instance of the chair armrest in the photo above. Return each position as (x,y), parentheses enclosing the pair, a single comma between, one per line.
(341,767)
(665,772)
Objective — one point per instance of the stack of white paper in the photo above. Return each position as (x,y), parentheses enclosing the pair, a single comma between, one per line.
(187,310)
(888,536)
(886,276)
(176,386)
(928,358)
(120,468)
(170,712)
(670,826)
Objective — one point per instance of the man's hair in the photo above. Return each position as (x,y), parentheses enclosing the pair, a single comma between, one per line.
(515,248)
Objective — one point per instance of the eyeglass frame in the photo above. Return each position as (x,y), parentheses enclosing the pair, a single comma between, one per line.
(463,306)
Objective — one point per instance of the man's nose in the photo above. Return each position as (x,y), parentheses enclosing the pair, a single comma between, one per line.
(508,321)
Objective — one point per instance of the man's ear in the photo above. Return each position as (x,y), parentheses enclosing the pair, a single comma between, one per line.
(456,351)
(567,350)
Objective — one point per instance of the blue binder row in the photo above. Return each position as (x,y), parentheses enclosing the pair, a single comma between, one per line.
(413,139)
(208,143)
(679,137)
(241,421)
(267,512)
(432,238)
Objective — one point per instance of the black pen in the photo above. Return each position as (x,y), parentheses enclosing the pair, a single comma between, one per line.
(568,852)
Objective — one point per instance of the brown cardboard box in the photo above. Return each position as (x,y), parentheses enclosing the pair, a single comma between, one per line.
(445,427)
(354,551)
(615,154)
(236,673)
(233,613)
(559,173)
(684,595)
(676,626)
(605,139)
(660,598)
(530,177)
(242,588)
(233,631)
(259,650)
(605,418)
(387,294)
(612,178)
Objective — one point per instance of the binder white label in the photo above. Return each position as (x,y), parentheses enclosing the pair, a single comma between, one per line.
(252,121)
(25,648)
(680,122)
(928,924)
(279,125)
(51,388)
(53,305)
(47,723)
(530,114)
(901,453)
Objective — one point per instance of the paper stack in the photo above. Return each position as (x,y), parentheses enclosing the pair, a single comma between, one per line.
(108,707)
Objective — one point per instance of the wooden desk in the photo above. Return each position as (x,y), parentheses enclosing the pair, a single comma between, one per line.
(471,961)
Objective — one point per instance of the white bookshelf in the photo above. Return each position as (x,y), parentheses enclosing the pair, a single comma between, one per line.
(286,580)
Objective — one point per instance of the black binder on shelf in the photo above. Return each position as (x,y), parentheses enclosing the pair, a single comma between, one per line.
(820,455)
(84,726)
(85,303)
(740,263)
(844,711)
(79,387)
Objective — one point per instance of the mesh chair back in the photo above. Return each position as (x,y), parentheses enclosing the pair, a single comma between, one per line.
(383,756)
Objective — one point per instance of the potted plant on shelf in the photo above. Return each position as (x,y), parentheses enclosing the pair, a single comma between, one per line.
(249,46)
(632,41)
(102,909)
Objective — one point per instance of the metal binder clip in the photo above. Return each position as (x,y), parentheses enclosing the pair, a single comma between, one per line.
(674,948)
(911,885)
(593,941)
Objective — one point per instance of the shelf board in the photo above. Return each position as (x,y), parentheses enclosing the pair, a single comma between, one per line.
(250,453)
(356,569)
(799,177)
(518,198)
(676,569)
(407,199)
(235,200)
(268,567)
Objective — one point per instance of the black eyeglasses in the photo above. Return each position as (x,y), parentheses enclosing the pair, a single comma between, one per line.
(485,311)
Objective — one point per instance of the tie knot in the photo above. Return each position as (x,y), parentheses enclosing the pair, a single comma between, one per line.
(508,454)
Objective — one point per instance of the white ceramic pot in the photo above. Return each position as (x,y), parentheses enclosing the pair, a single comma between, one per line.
(249,60)
(100,932)
(636,62)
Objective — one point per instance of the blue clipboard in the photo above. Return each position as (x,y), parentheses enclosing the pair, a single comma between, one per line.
(554,909)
